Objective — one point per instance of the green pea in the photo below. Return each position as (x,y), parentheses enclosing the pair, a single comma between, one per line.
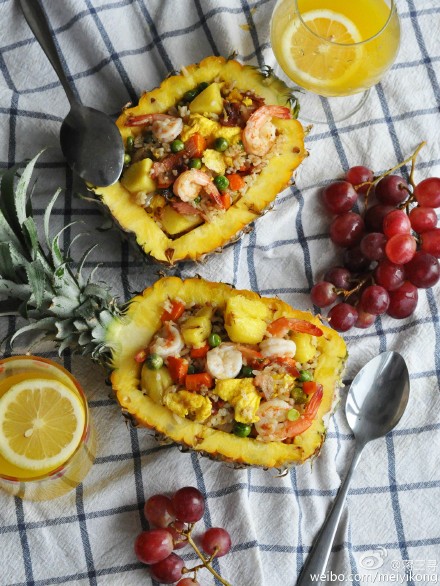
(190,95)
(195,163)
(127,159)
(221,144)
(221,182)
(202,86)
(214,340)
(305,376)
(154,361)
(149,136)
(246,371)
(191,369)
(241,429)
(292,415)
(129,143)
(198,199)
(299,396)
(177,146)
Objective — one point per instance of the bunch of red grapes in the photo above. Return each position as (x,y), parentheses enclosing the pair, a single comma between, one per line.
(173,520)
(391,251)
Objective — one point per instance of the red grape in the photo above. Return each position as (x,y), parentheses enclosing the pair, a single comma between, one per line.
(389,275)
(214,539)
(159,511)
(355,261)
(373,245)
(323,294)
(364,320)
(427,192)
(339,277)
(168,570)
(188,582)
(189,504)
(431,242)
(179,540)
(342,316)
(401,248)
(153,546)
(423,270)
(375,300)
(403,301)
(392,190)
(396,222)
(374,217)
(339,197)
(422,219)
(347,230)
(359,174)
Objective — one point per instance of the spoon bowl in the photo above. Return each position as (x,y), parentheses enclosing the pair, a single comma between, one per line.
(90,140)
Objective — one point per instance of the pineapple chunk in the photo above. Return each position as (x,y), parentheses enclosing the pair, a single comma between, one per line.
(242,395)
(175,223)
(214,161)
(209,100)
(196,329)
(137,177)
(305,346)
(245,319)
(186,402)
(155,382)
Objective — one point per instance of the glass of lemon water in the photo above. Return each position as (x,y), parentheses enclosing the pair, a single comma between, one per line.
(47,441)
(335,49)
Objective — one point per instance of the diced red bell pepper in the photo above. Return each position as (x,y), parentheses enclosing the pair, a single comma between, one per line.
(194,382)
(177,308)
(195,145)
(178,368)
(200,352)
(289,365)
(236,181)
(310,387)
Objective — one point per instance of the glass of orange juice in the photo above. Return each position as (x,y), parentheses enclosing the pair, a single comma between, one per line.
(47,441)
(334,49)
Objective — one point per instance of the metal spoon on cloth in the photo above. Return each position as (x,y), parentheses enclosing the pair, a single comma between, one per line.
(375,403)
(90,140)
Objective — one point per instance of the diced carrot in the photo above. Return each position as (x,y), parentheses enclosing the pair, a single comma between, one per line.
(225,200)
(178,368)
(194,382)
(200,352)
(177,308)
(236,181)
(310,387)
(195,145)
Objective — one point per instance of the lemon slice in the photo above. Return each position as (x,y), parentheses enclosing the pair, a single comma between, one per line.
(314,59)
(41,424)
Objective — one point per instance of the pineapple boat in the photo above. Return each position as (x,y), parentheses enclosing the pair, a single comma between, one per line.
(227,373)
(206,153)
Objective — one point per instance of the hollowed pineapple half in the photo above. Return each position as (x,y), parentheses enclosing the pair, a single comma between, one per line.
(182,415)
(140,202)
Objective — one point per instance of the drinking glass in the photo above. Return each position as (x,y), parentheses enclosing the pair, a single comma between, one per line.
(37,486)
(335,50)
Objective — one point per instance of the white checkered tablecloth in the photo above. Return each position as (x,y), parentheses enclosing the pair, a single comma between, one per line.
(112,50)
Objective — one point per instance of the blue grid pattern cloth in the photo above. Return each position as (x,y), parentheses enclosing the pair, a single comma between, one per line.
(112,51)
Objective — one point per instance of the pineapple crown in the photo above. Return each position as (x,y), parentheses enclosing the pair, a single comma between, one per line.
(38,281)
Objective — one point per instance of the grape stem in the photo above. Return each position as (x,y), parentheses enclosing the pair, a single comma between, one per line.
(206,562)
(359,286)
(411,159)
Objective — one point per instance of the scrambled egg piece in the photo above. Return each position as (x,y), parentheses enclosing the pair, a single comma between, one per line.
(209,129)
(242,395)
(186,402)
(214,161)
(231,133)
(283,383)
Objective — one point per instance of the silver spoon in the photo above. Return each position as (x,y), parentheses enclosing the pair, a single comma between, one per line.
(376,401)
(90,140)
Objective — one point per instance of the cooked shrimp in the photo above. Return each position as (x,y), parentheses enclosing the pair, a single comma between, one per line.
(259,133)
(224,362)
(274,425)
(190,183)
(282,326)
(164,127)
(168,345)
(277,347)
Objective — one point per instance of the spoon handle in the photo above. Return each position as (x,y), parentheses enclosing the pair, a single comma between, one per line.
(38,24)
(317,559)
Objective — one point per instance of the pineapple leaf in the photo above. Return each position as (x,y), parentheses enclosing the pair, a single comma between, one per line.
(37,280)
(47,214)
(7,201)
(6,232)
(18,290)
(57,255)
(47,324)
(82,262)
(31,236)
(20,195)
(94,290)
(63,306)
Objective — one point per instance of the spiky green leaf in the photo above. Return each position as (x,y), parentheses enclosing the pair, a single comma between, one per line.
(18,290)
(20,195)
(31,236)
(47,324)
(37,281)
(47,214)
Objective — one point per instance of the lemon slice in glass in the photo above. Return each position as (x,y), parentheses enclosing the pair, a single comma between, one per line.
(323,51)
(41,424)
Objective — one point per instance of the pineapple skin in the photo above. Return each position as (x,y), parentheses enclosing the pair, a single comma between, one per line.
(207,237)
(134,331)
